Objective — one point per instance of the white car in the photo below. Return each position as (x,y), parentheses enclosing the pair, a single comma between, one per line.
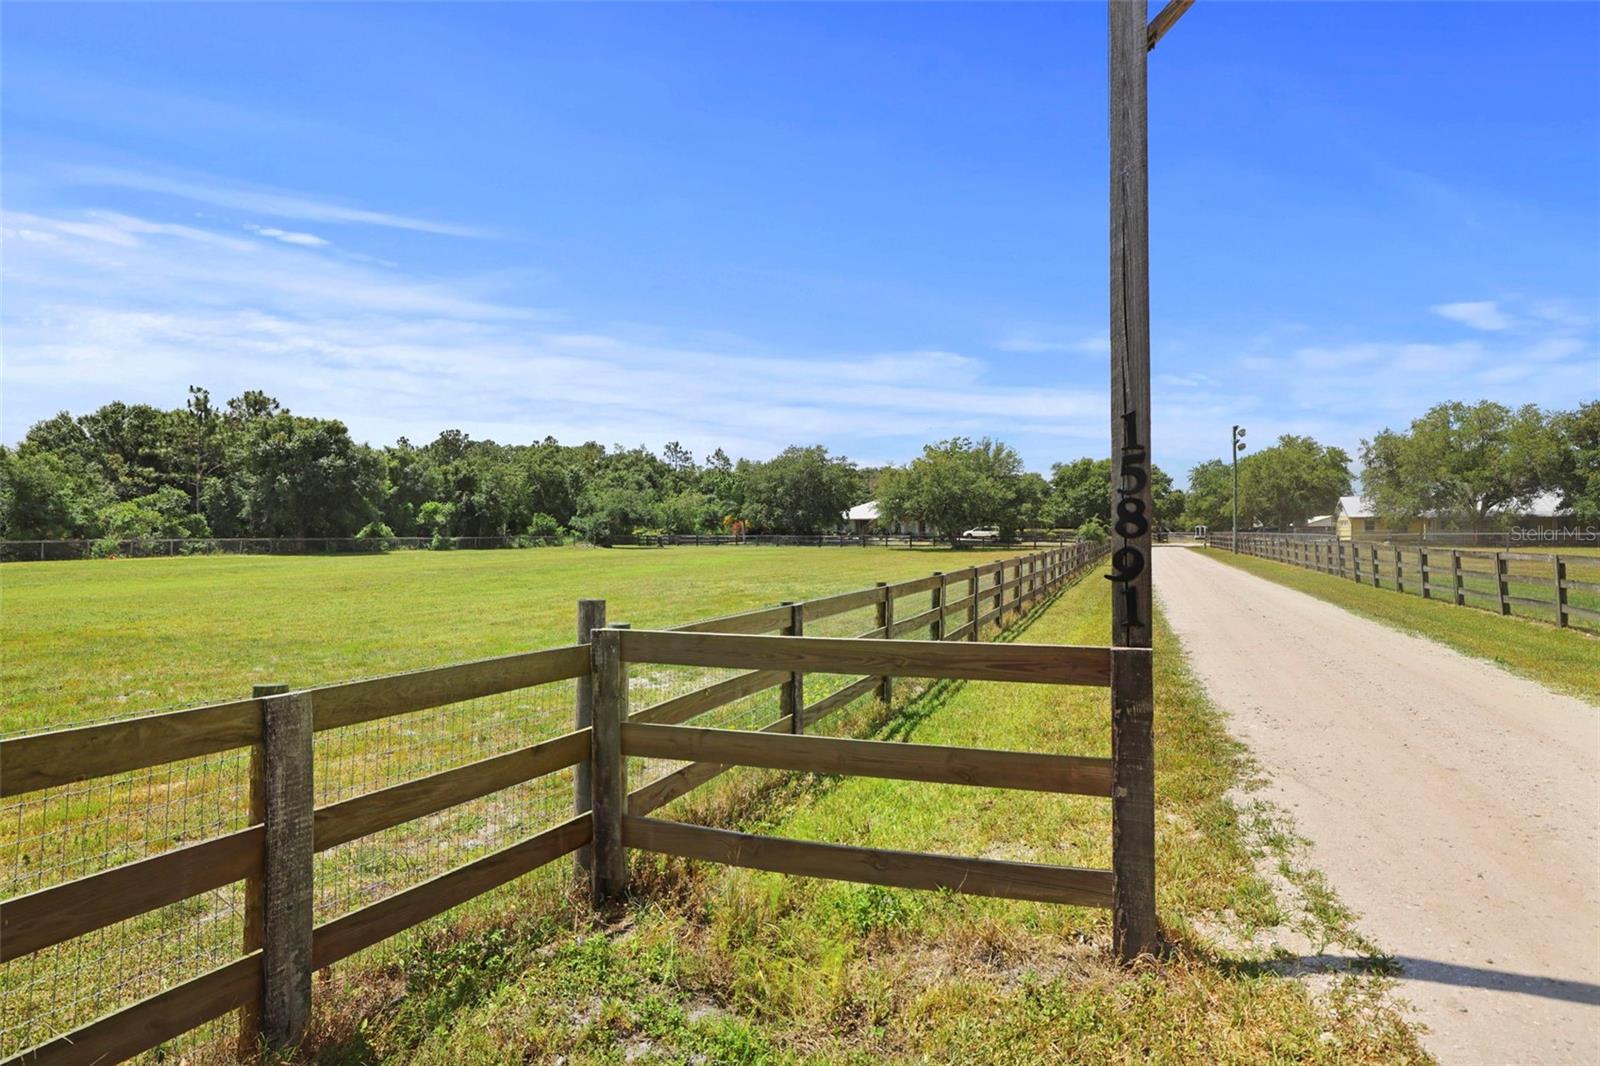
(982,533)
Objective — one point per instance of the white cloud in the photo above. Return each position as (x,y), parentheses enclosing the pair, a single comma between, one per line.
(103,305)
(1035,341)
(305,240)
(1478,314)
(275,202)
(136,310)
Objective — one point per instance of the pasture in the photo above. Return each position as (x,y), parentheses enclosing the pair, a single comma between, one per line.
(133,637)
(97,638)
(727,965)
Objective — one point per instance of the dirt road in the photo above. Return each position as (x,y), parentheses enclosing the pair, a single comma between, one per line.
(1454,806)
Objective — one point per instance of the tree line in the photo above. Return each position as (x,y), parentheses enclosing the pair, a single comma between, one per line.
(252,468)
(1460,465)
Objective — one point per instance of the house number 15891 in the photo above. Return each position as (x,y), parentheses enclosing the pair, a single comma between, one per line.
(1127,562)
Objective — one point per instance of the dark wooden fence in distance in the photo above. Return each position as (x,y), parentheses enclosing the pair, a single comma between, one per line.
(1562,590)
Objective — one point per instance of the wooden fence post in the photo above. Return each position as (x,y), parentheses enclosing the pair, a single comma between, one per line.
(591,616)
(937,597)
(1500,572)
(792,700)
(609,773)
(886,623)
(289,800)
(1133,811)
(1559,565)
(972,612)
(1399,576)
(1455,574)
(1374,556)
(1422,573)
(254,887)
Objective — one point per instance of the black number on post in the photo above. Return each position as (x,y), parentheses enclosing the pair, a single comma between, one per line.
(1128,562)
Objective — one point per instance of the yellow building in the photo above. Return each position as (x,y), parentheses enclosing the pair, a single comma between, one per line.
(1354,520)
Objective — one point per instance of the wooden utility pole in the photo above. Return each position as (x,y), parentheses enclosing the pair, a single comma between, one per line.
(1134,930)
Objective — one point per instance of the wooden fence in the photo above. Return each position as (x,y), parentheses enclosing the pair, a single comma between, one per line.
(269,977)
(1563,590)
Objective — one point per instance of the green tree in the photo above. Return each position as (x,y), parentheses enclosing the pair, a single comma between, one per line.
(164,513)
(722,485)
(613,509)
(1576,474)
(1209,499)
(800,490)
(1081,490)
(199,444)
(552,481)
(1033,493)
(955,485)
(433,518)
(1291,481)
(1461,462)
(411,479)
(687,511)
(309,479)
(621,494)
(47,496)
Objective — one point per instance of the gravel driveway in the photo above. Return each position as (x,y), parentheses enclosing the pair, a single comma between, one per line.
(1455,806)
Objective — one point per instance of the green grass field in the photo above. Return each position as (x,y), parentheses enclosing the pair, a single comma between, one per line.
(1564,659)
(712,964)
(84,640)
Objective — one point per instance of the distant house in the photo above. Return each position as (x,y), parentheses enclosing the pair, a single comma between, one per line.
(1354,517)
(1322,523)
(1544,511)
(863,518)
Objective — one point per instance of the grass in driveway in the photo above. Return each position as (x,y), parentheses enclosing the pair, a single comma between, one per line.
(712,964)
(84,640)
(1564,659)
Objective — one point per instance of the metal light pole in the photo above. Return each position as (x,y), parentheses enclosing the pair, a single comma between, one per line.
(1238,446)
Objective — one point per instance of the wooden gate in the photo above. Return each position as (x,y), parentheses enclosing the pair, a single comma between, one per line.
(1126,779)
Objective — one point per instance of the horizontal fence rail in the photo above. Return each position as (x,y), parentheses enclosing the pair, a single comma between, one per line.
(1033,771)
(875,866)
(1562,590)
(619,825)
(272,857)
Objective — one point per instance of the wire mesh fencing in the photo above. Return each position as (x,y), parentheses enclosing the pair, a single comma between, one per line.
(56,835)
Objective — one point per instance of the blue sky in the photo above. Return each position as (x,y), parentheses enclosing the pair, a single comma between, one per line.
(753,225)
